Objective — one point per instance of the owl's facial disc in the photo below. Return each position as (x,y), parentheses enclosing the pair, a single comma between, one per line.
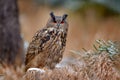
(58,20)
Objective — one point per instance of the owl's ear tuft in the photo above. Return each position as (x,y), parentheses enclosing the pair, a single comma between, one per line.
(52,16)
(64,17)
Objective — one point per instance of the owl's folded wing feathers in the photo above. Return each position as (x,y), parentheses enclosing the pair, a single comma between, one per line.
(35,46)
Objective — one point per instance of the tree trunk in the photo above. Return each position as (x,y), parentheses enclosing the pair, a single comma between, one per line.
(11,44)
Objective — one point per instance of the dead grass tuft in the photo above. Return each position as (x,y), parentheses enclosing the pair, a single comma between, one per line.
(95,66)
(91,65)
(8,72)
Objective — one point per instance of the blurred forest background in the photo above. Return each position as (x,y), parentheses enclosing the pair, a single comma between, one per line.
(89,20)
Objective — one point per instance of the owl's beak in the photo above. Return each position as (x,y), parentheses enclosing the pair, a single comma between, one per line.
(57,24)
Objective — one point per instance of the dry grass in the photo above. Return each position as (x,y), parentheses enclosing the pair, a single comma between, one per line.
(8,72)
(73,72)
(89,66)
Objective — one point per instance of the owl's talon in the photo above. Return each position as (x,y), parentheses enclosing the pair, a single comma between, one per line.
(36,69)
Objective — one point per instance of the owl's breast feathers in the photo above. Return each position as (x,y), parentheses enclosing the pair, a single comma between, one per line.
(46,42)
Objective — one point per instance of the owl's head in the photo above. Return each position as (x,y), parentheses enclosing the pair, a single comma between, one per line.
(58,22)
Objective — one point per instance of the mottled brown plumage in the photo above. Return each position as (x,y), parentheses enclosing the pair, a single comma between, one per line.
(48,44)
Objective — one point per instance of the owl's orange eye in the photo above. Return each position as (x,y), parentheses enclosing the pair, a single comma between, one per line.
(55,22)
(62,22)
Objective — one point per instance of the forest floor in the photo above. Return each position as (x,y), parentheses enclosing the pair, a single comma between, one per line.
(101,62)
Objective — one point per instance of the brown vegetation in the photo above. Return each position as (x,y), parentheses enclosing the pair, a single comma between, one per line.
(82,33)
(94,67)
(91,65)
(8,72)
(102,64)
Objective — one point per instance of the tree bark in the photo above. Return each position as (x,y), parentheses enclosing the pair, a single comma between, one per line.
(11,44)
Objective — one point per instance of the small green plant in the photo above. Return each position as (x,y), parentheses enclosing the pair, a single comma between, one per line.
(112,48)
(108,46)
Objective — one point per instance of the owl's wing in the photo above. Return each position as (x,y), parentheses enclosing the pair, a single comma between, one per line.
(36,46)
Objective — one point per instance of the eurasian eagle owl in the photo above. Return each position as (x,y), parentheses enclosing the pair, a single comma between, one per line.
(48,44)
